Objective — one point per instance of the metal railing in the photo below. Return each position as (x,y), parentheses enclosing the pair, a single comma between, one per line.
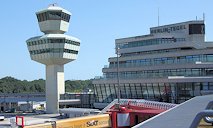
(141,103)
(205,115)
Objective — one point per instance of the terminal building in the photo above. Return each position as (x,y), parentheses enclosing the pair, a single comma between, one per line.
(172,64)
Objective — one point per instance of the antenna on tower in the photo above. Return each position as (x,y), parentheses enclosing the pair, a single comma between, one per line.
(196,17)
(203,16)
(54,4)
(158,17)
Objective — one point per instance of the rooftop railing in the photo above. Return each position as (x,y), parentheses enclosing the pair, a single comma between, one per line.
(140,103)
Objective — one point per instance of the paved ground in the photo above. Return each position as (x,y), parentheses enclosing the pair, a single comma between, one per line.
(29,118)
(180,116)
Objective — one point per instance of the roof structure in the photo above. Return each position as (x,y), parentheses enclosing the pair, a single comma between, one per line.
(180,116)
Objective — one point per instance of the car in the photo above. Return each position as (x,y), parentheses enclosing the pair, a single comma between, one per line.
(1,118)
(39,111)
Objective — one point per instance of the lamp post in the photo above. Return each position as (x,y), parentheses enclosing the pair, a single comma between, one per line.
(118,80)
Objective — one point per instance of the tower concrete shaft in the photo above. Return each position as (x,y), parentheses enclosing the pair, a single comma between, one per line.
(54,87)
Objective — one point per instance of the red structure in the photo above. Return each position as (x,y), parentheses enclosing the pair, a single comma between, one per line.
(18,123)
(126,114)
(132,113)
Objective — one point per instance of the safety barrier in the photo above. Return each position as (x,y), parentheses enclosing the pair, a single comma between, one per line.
(141,103)
(95,121)
(209,119)
(109,106)
(151,104)
(20,121)
(205,115)
(199,116)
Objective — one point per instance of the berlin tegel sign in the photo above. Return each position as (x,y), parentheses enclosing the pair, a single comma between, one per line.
(168,29)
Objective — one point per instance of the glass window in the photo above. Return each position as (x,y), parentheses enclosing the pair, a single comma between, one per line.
(196,72)
(54,15)
(63,16)
(209,57)
(189,58)
(161,87)
(196,57)
(189,89)
(188,72)
(68,18)
(99,94)
(108,93)
(113,91)
(133,91)
(123,91)
(127,90)
(210,86)
(205,86)
(156,90)
(182,59)
(42,16)
(156,73)
(38,18)
(173,72)
(139,91)
(161,73)
(150,91)
(197,88)
(170,60)
(103,91)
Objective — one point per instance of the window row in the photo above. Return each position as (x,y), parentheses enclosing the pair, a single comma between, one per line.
(164,60)
(53,50)
(46,41)
(53,15)
(151,42)
(160,73)
(151,52)
(164,92)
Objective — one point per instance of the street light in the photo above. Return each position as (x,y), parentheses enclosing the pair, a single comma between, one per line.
(118,80)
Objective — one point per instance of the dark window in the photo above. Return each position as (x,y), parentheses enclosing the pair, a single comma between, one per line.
(57,41)
(196,29)
(68,18)
(63,16)
(53,50)
(53,15)
(43,16)
(38,18)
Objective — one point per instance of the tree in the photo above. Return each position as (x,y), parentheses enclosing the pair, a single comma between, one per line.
(11,85)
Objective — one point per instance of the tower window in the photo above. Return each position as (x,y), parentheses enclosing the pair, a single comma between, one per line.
(53,15)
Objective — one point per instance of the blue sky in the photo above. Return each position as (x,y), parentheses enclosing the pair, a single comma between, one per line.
(96,23)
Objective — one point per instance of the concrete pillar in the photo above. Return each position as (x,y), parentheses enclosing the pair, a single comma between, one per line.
(9,105)
(5,106)
(174,93)
(54,87)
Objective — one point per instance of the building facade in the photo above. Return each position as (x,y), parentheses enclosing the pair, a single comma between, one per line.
(172,64)
(13,101)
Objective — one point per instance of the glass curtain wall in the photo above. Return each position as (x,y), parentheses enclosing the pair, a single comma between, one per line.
(164,92)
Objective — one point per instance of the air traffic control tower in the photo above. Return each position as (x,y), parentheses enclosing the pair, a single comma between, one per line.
(54,49)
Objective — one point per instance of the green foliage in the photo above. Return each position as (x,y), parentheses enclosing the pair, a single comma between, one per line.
(12,85)
(78,85)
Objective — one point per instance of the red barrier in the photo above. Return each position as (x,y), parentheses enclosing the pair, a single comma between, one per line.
(22,121)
